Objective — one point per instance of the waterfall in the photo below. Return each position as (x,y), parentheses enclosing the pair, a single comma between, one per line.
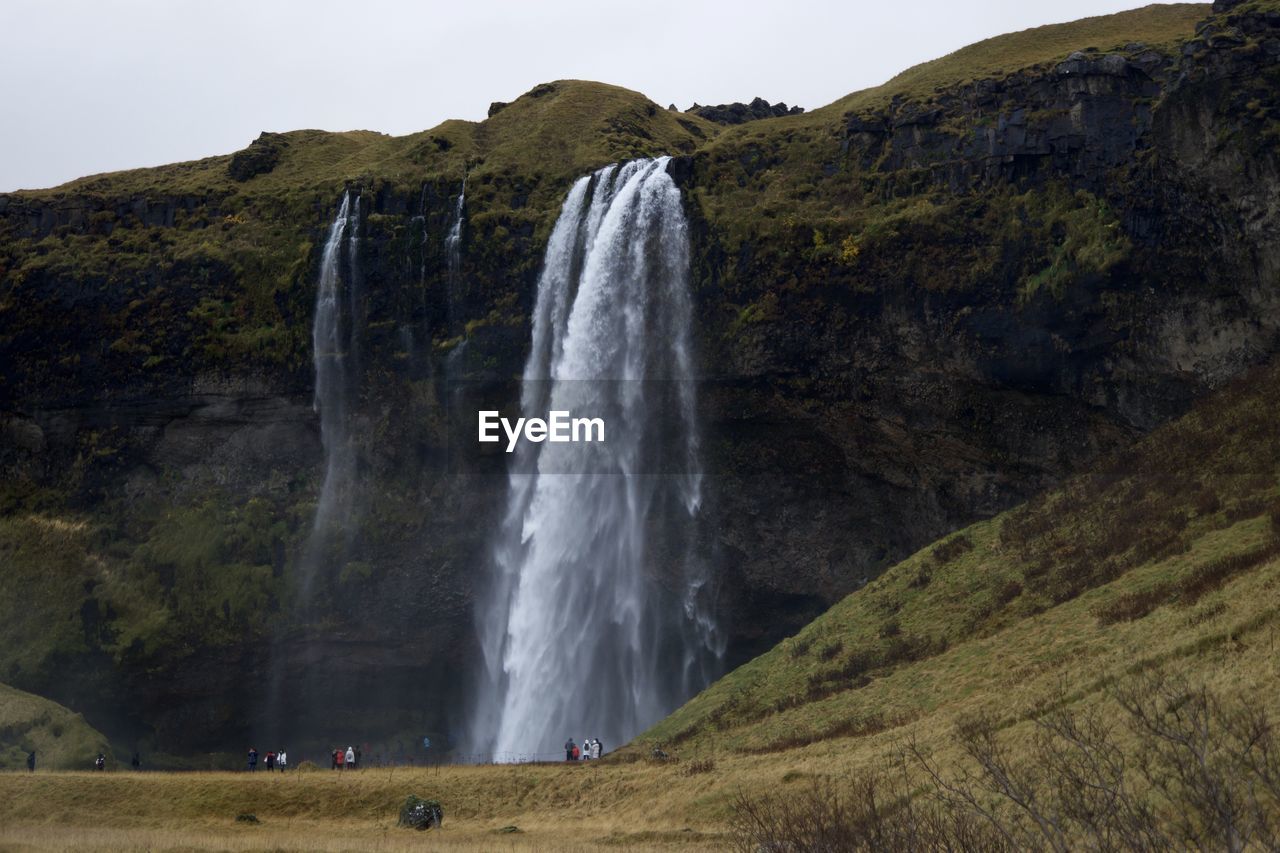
(599,620)
(335,339)
(453,242)
(453,257)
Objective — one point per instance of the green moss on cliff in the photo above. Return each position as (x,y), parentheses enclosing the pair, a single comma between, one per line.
(62,740)
(177,580)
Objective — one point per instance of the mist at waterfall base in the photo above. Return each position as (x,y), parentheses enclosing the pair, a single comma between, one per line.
(599,616)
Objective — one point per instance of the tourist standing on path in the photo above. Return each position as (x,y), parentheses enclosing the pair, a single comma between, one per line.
(271,761)
(100,763)
(31,761)
(253,759)
(283,760)
(568,749)
(351,758)
(342,757)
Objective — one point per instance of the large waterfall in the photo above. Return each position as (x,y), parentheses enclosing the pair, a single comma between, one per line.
(335,338)
(599,619)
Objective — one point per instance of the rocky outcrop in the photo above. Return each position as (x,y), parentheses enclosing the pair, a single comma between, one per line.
(740,113)
(1076,120)
(259,158)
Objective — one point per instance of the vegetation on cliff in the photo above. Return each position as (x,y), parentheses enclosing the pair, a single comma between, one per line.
(60,738)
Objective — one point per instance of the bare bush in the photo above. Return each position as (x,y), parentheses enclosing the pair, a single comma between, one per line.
(868,814)
(1178,769)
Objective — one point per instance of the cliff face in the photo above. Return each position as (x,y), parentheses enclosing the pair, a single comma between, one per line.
(916,307)
(1097,249)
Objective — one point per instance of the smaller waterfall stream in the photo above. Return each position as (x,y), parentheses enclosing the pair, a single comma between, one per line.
(335,339)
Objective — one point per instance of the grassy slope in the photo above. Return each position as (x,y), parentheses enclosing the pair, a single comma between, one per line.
(1112,572)
(1160,26)
(558,130)
(61,738)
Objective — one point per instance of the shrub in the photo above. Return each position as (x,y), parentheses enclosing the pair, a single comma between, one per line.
(701,765)
(1132,605)
(1203,775)
(417,813)
(952,548)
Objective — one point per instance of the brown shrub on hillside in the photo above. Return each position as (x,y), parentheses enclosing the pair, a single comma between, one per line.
(1204,775)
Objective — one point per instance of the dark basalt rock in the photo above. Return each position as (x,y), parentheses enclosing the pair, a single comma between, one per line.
(259,158)
(417,813)
(739,113)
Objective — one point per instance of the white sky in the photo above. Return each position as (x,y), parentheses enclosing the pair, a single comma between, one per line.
(98,85)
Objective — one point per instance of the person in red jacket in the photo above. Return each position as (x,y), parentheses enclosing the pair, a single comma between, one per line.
(341,759)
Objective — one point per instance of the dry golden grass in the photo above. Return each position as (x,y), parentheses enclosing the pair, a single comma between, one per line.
(338,836)
(555,807)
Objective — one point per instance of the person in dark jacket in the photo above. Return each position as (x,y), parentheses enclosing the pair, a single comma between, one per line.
(568,749)
(31,761)
(253,759)
(100,763)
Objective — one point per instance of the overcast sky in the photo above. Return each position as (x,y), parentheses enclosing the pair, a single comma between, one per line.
(98,85)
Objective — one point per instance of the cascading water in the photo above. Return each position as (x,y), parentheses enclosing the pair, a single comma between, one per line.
(453,257)
(453,242)
(296,684)
(599,620)
(335,338)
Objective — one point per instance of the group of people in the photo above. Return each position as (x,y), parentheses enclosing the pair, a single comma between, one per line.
(348,759)
(591,748)
(273,760)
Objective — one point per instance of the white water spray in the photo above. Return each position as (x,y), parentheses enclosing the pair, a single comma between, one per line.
(599,620)
(453,242)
